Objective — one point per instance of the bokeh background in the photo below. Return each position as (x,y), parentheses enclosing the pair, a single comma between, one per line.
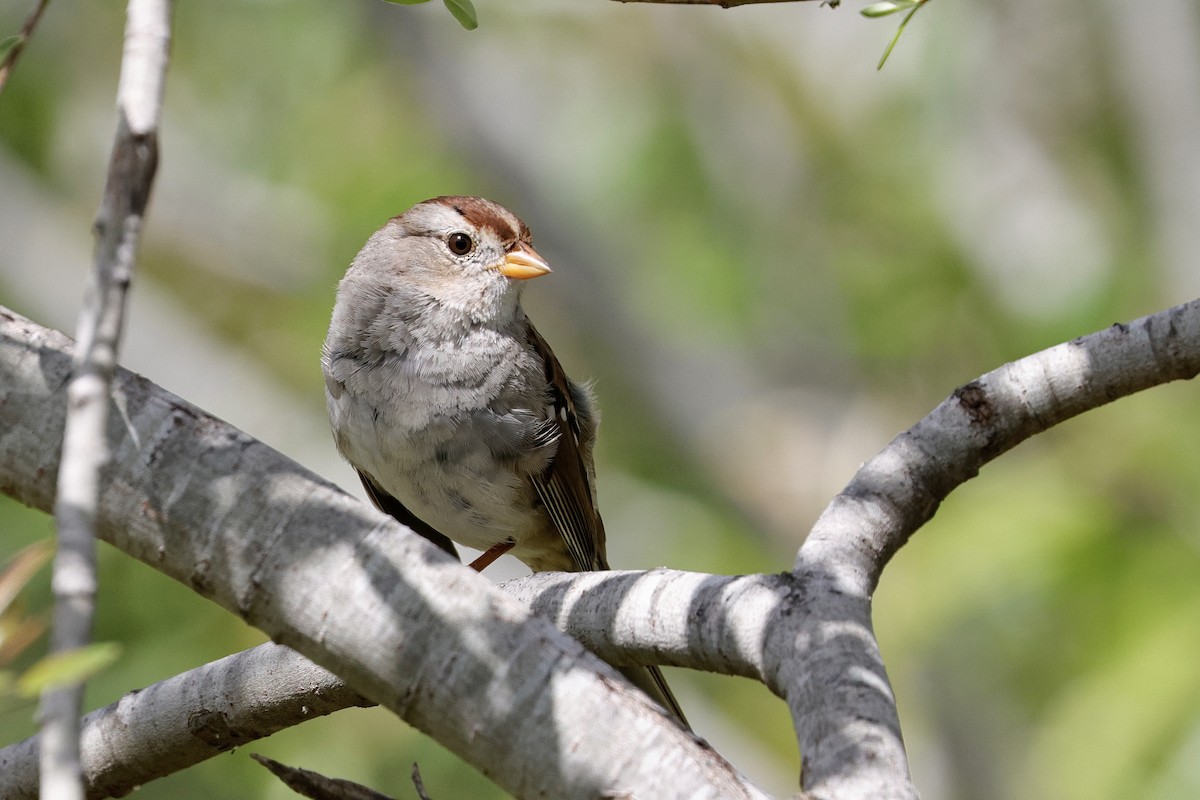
(770,257)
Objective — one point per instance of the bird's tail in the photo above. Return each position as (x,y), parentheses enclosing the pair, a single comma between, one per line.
(651,681)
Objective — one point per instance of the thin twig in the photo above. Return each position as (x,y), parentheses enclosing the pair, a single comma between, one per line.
(10,58)
(419,784)
(307,783)
(85,450)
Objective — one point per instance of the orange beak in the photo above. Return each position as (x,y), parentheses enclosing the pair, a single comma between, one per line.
(522,263)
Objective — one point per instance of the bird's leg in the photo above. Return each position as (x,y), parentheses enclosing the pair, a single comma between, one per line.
(491,554)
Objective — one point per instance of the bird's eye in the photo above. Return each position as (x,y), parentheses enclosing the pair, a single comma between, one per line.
(460,244)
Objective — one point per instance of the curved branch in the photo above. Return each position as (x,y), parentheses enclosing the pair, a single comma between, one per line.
(809,642)
(838,693)
(809,638)
(808,635)
(900,489)
(328,576)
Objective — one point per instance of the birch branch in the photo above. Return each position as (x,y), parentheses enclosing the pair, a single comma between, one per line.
(85,448)
(808,635)
(189,718)
(354,591)
(900,489)
(809,638)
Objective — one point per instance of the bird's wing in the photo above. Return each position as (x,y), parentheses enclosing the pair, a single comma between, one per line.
(563,486)
(565,490)
(390,505)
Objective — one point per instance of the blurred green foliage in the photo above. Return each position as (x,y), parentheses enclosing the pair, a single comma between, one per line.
(770,257)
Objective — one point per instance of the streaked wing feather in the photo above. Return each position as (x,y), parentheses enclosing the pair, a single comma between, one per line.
(651,681)
(565,490)
(393,507)
(563,486)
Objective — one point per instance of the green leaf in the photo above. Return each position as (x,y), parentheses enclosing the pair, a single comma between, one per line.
(887,8)
(464,12)
(8,43)
(887,52)
(72,666)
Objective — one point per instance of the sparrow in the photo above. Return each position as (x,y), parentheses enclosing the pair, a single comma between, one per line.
(453,409)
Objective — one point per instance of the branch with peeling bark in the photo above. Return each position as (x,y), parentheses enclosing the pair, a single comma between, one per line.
(806,634)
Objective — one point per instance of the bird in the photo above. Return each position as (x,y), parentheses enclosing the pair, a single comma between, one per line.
(455,413)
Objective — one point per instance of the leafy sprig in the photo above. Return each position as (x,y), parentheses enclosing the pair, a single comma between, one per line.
(463,10)
(885,9)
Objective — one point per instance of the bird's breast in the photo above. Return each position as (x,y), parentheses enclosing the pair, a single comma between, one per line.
(455,444)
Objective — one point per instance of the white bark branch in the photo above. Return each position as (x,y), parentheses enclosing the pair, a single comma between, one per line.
(897,491)
(85,446)
(900,489)
(325,574)
(807,634)
(187,719)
